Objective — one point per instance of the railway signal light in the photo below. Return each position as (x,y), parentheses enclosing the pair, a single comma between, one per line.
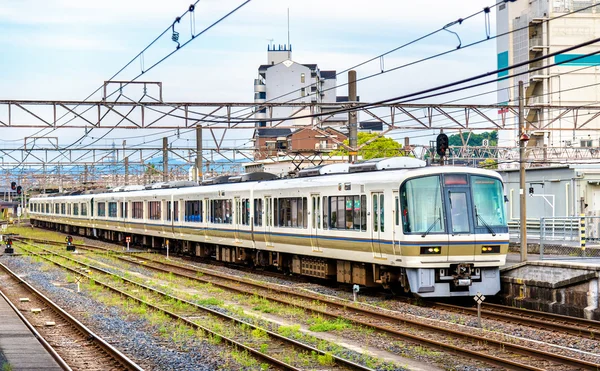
(441,144)
(19,190)
(69,240)
(13,185)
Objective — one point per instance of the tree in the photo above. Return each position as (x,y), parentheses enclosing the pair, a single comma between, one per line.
(152,170)
(474,139)
(379,147)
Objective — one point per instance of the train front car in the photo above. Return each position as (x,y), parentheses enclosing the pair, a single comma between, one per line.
(455,232)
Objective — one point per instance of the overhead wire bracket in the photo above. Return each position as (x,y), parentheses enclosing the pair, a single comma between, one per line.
(192,20)
(486,11)
(459,21)
(175,36)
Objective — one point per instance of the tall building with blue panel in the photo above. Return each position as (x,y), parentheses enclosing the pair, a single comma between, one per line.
(529,31)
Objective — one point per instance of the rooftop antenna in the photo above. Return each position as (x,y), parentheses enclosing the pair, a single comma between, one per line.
(288,27)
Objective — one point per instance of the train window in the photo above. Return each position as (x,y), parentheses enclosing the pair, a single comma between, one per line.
(137,210)
(175,211)
(458,212)
(375,213)
(348,212)
(112,209)
(245,211)
(193,211)
(316,212)
(220,211)
(154,212)
(291,212)
(62,209)
(326,212)
(489,201)
(76,209)
(396,210)
(83,209)
(101,209)
(421,205)
(258,207)
(123,206)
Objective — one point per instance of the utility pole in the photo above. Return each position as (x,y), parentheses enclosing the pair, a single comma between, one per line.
(126,170)
(352,125)
(165,159)
(523,138)
(198,171)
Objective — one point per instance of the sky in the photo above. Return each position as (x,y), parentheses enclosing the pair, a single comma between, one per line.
(65,49)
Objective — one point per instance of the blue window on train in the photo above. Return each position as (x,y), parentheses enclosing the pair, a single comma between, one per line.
(101,208)
(62,209)
(112,209)
(84,209)
(488,197)
(193,211)
(76,209)
(421,203)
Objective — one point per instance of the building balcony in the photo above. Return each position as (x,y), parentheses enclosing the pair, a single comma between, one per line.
(259,87)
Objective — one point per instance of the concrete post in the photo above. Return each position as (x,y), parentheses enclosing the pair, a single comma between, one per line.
(523,199)
(352,118)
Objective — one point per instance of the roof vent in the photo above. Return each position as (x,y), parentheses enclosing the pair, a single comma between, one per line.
(387,164)
(252,177)
(217,180)
(324,169)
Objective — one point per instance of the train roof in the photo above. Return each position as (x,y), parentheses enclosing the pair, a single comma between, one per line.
(264,183)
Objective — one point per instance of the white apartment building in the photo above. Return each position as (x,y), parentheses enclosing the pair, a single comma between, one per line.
(283,80)
(551,85)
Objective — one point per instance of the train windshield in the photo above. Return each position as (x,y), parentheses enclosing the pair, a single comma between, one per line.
(421,202)
(488,198)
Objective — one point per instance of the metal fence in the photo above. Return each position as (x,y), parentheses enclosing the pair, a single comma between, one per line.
(561,237)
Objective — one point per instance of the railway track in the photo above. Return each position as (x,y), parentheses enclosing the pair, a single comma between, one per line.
(541,320)
(78,347)
(499,352)
(193,314)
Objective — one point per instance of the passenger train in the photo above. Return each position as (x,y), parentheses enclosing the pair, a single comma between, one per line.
(436,231)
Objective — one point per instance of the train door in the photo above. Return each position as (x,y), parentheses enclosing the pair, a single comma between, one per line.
(268,220)
(236,218)
(396,225)
(459,223)
(378,222)
(206,218)
(315,222)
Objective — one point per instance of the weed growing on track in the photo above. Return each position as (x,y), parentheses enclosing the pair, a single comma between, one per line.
(259,334)
(208,301)
(319,324)
(325,359)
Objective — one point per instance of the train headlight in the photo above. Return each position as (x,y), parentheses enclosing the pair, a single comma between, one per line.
(431,250)
(495,249)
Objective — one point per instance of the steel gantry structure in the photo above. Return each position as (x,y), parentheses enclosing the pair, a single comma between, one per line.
(218,119)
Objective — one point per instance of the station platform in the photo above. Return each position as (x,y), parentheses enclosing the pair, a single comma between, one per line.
(19,347)
(562,286)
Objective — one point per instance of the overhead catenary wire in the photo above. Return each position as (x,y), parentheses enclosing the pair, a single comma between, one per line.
(161,60)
